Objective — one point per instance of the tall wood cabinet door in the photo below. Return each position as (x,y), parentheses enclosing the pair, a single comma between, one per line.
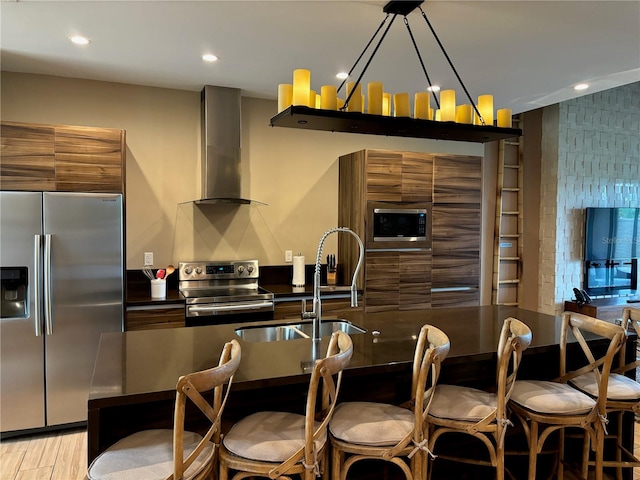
(455,274)
(89,159)
(457,187)
(27,160)
(417,177)
(382,281)
(384,176)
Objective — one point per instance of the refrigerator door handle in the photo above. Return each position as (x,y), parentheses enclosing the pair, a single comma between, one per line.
(37,289)
(48,317)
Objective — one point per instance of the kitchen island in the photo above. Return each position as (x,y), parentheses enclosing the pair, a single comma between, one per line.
(133,385)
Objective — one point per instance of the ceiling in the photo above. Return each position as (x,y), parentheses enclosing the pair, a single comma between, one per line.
(528,54)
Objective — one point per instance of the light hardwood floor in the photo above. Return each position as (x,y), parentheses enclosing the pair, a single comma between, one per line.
(63,456)
(50,456)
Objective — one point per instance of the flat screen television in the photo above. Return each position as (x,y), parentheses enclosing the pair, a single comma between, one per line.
(612,233)
(611,247)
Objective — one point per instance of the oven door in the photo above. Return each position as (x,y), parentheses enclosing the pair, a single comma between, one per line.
(200,312)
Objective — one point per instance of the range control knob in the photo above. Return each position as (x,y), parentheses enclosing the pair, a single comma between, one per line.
(240,269)
(198,270)
(250,268)
(188,270)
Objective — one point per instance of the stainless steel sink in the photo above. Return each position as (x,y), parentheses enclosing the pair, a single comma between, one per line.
(292,331)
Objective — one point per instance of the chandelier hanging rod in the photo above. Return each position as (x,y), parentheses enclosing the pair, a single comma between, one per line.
(375,50)
(362,53)
(444,52)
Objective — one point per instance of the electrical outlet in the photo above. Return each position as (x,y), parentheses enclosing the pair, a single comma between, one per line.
(288,256)
(148,259)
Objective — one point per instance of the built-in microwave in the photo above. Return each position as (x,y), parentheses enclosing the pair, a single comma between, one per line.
(398,225)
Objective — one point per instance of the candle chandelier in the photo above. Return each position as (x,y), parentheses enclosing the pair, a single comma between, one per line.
(471,122)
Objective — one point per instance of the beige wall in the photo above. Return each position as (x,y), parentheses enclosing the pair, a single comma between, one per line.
(294,171)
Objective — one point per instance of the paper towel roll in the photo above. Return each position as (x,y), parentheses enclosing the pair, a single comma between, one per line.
(298,271)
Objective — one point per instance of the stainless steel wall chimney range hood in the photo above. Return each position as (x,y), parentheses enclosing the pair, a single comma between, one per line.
(221,147)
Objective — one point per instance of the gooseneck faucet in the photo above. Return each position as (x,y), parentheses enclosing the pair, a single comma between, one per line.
(316,311)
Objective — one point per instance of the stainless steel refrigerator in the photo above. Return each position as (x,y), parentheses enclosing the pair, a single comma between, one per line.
(61,263)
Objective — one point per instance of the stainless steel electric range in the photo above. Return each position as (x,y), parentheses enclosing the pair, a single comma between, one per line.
(218,292)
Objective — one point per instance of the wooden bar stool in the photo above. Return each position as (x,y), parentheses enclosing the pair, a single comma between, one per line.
(367,430)
(544,407)
(175,454)
(280,444)
(623,395)
(483,415)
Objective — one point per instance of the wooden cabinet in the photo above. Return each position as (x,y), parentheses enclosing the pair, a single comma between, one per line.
(89,159)
(397,280)
(609,309)
(61,158)
(445,270)
(27,157)
(150,317)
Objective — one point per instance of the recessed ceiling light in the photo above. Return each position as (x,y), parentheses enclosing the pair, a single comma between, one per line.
(581,86)
(209,57)
(342,75)
(79,40)
(433,88)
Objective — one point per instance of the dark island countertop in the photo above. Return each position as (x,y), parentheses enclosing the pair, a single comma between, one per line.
(135,364)
(133,385)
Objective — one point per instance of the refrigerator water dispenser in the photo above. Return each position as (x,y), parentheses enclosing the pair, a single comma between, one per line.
(14,283)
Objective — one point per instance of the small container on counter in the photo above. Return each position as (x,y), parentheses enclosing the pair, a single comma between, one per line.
(158,288)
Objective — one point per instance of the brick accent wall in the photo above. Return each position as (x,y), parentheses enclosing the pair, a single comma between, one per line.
(590,158)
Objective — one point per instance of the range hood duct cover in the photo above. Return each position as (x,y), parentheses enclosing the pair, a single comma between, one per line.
(221,146)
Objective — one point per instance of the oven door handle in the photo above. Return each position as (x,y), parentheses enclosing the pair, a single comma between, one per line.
(227,306)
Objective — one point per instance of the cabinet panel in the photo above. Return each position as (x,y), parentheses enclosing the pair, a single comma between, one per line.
(27,160)
(415,280)
(89,159)
(417,177)
(457,179)
(397,280)
(154,318)
(384,176)
(382,281)
(461,298)
(456,246)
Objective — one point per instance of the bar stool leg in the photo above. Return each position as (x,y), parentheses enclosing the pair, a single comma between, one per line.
(533,449)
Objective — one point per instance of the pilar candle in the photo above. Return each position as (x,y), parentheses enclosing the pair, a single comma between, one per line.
(422,105)
(401,105)
(448,105)
(464,114)
(485,107)
(328,97)
(301,87)
(355,102)
(374,92)
(285,95)
(504,117)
